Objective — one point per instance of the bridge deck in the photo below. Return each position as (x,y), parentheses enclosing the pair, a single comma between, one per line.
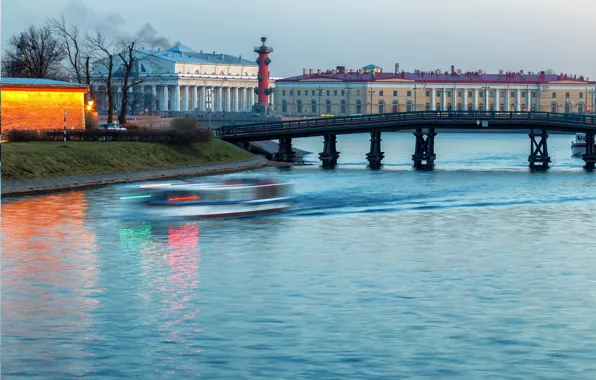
(409,120)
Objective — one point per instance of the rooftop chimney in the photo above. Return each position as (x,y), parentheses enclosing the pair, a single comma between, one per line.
(452,70)
(310,71)
(341,69)
(303,71)
(318,71)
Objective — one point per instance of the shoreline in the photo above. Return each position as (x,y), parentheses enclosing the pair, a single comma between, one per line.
(17,188)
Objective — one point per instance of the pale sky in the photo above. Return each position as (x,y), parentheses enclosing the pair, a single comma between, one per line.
(532,35)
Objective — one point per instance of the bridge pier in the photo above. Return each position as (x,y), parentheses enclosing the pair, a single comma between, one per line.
(590,156)
(424,154)
(329,155)
(539,158)
(375,156)
(285,152)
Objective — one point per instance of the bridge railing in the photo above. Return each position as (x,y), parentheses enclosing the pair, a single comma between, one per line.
(405,118)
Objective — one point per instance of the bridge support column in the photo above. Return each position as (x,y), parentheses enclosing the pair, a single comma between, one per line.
(285,152)
(590,156)
(329,155)
(539,158)
(375,156)
(424,154)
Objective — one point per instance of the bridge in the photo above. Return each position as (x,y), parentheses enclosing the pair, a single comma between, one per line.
(425,126)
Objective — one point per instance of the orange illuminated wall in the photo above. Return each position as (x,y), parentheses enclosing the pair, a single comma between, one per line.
(42,108)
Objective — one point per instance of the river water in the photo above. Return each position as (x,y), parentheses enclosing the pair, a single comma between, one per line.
(477,270)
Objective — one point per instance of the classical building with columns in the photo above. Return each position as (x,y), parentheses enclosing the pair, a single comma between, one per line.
(370,90)
(182,80)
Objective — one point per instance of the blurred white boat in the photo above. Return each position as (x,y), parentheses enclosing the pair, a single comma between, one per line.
(578,147)
(231,198)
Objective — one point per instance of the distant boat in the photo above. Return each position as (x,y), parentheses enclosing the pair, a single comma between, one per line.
(231,198)
(578,147)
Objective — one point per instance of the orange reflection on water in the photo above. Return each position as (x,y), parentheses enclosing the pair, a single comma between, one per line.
(48,256)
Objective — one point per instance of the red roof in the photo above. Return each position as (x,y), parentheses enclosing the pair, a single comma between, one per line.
(445,77)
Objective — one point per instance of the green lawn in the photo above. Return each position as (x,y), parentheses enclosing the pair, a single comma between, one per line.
(52,159)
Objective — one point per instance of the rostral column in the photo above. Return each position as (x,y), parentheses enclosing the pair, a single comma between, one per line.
(263,91)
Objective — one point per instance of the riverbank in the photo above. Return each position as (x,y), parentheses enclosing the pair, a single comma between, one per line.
(31,168)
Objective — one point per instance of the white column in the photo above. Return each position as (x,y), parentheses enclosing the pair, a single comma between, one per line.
(433,97)
(244,100)
(236,105)
(475,99)
(220,99)
(444,96)
(193,97)
(228,100)
(185,99)
(518,100)
(465,99)
(165,106)
(252,99)
(177,98)
(154,92)
(203,102)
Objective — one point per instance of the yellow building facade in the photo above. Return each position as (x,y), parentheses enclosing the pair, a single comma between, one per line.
(370,90)
(38,104)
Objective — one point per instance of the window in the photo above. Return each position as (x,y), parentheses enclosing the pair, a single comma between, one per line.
(502,107)
(481,107)
(298,92)
(381,107)
(449,108)
(395,106)
(381,93)
(358,106)
(567,95)
(313,106)
(523,107)
(313,93)
(553,108)
(470,93)
(284,106)
(328,92)
(409,106)
(502,94)
(438,106)
(581,95)
(357,92)
(460,93)
(513,94)
(395,92)
(427,106)
(343,106)
(567,108)
(523,94)
(491,94)
(534,94)
(328,106)
(427,93)
(291,92)
(343,92)
(283,92)
(470,107)
(334,92)
(492,108)
(409,93)
(512,107)
(580,108)
(438,92)
(299,106)
(554,95)
(460,107)
(448,94)
(481,94)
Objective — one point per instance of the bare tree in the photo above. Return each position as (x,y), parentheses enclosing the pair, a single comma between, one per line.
(104,53)
(35,53)
(72,43)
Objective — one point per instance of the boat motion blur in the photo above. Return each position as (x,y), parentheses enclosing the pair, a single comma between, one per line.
(578,147)
(229,198)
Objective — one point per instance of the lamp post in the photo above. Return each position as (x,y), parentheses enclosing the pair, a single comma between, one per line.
(349,91)
(320,93)
(415,103)
(371,92)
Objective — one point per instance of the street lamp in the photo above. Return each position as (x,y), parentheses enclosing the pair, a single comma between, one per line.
(486,97)
(320,93)
(349,90)
(371,92)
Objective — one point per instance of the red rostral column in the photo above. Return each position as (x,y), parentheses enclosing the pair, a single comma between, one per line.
(263,90)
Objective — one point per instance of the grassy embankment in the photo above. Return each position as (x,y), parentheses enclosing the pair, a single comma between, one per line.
(36,160)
